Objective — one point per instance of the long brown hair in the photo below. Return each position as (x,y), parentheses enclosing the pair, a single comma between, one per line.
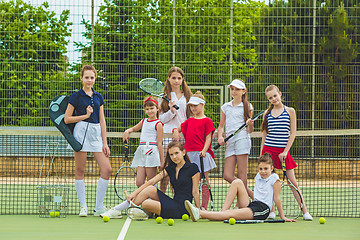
(266,158)
(246,104)
(265,123)
(164,107)
(178,145)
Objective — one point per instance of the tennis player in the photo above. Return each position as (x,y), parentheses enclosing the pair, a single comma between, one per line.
(90,129)
(234,114)
(179,94)
(184,179)
(278,134)
(267,189)
(150,154)
(198,131)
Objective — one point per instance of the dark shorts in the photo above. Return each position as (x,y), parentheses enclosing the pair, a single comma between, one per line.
(260,210)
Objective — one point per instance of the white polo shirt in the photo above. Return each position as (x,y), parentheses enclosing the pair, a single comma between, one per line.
(174,120)
(234,120)
(263,190)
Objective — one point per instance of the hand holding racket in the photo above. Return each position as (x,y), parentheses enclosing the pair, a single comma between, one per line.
(154,87)
(135,212)
(239,129)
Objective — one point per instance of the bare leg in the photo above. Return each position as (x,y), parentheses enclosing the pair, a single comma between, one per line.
(80,161)
(239,214)
(140,176)
(291,175)
(148,192)
(237,189)
(242,162)
(151,206)
(104,165)
(229,169)
(150,172)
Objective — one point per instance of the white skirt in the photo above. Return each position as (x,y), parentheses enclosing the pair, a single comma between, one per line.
(146,156)
(209,162)
(238,147)
(92,133)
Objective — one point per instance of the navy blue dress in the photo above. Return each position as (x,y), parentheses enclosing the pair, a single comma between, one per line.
(175,207)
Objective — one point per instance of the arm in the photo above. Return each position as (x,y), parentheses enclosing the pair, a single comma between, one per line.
(292,136)
(106,149)
(69,118)
(176,133)
(277,189)
(221,129)
(135,128)
(263,137)
(195,189)
(206,145)
(166,117)
(159,140)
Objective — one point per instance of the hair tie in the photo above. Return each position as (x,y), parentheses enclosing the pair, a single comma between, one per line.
(266,116)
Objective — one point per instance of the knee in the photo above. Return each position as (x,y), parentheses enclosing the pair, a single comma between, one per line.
(107,171)
(237,182)
(228,177)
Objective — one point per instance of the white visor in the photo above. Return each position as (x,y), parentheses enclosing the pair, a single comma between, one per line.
(196,101)
(238,84)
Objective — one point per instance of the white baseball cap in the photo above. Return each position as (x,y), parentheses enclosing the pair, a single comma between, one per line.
(238,84)
(196,101)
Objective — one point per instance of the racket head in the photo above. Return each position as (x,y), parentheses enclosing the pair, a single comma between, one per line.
(152,86)
(137,213)
(291,207)
(125,178)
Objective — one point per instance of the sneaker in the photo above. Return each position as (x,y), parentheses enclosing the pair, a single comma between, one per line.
(271,216)
(193,211)
(307,217)
(83,212)
(112,213)
(100,211)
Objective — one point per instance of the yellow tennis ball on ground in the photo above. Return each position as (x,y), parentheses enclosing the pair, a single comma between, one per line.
(185,217)
(170,222)
(106,218)
(322,220)
(52,214)
(57,214)
(159,220)
(232,221)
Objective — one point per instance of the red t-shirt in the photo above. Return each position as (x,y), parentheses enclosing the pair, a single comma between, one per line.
(195,132)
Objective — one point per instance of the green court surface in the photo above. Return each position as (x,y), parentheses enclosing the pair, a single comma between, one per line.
(73,227)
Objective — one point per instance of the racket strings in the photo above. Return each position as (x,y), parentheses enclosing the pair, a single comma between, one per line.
(152,85)
(291,207)
(137,213)
(125,180)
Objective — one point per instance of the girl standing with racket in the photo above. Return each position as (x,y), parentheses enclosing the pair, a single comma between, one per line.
(150,154)
(278,134)
(179,93)
(90,129)
(184,179)
(234,114)
(267,189)
(198,131)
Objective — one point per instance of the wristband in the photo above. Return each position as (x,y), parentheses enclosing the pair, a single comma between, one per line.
(173,130)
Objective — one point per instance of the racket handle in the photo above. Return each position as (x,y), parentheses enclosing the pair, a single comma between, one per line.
(216,146)
(176,107)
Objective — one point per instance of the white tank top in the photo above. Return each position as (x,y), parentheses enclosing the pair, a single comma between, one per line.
(148,131)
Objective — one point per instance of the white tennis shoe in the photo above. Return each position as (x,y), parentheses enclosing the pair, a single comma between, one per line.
(112,213)
(271,216)
(307,217)
(83,212)
(99,212)
(193,211)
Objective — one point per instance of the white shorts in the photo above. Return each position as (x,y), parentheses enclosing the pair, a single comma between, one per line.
(93,141)
(209,162)
(238,147)
(146,156)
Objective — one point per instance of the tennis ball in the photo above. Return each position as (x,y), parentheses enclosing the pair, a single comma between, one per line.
(106,218)
(159,220)
(232,221)
(52,214)
(57,214)
(185,217)
(170,222)
(322,220)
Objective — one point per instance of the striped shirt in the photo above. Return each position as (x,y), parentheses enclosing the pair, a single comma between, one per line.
(279,130)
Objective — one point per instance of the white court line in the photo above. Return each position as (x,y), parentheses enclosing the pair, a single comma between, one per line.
(124,229)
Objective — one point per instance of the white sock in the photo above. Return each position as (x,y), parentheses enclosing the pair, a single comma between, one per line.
(80,191)
(100,193)
(122,206)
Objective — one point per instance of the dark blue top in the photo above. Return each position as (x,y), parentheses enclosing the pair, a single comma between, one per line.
(95,101)
(183,184)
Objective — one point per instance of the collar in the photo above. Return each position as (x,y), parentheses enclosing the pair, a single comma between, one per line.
(82,92)
(239,105)
(265,179)
(186,165)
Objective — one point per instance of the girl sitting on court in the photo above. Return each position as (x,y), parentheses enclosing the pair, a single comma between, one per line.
(278,134)
(266,191)
(150,154)
(184,179)
(198,131)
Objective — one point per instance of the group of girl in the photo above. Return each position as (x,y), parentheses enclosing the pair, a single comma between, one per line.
(181,164)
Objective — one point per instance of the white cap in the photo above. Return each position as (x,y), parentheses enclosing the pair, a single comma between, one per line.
(196,101)
(238,84)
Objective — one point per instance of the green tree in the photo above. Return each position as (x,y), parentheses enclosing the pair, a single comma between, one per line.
(32,47)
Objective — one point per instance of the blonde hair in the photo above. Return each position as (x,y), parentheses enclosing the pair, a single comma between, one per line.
(265,123)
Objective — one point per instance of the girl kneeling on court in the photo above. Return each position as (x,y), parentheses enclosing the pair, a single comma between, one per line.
(266,191)
(184,179)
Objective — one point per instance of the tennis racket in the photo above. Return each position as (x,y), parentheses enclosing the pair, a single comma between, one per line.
(289,193)
(125,177)
(154,87)
(239,129)
(204,182)
(256,221)
(135,212)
